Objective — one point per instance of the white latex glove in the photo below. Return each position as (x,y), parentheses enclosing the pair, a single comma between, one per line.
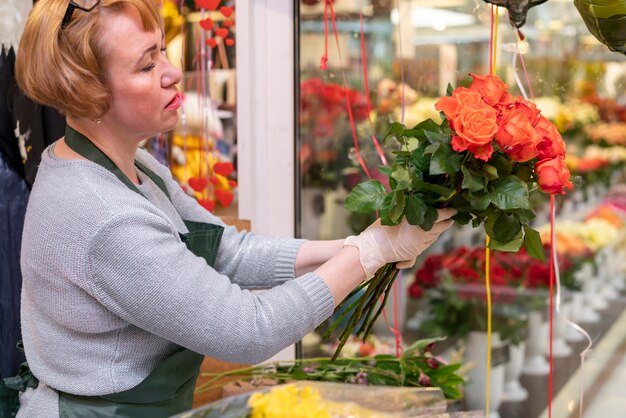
(379,244)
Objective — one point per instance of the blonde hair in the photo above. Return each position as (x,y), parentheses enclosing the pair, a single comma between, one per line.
(63,68)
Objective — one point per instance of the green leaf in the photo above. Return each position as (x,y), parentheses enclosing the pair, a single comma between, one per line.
(490,220)
(396,129)
(525,215)
(401,175)
(480,200)
(476,222)
(490,171)
(437,137)
(385,169)
(502,164)
(419,345)
(510,193)
(523,171)
(462,218)
(419,158)
(412,144)
(510,246)
(444,161)
(420,185)
(366,197)
(472,180)
(415,210)
(427,125)
(384,213)
(396,208)
(429,218)
(506,228)
(532,242)
(430,149)
(449,90)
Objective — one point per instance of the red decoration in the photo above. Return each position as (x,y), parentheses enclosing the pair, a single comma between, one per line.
(207,24)
(207,4)
(223,168)
(224,197)
(214,180)
(229,42)
(211,42)
(232,183)
(207,204)
(228,23)
(226,11)
(198,183)
(221,32)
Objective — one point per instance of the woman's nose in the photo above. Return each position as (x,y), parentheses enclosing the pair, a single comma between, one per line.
(171,75)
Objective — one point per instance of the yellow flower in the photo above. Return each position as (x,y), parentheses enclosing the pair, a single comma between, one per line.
(288,402)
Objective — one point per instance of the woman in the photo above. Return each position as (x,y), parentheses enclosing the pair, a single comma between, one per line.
(128,282)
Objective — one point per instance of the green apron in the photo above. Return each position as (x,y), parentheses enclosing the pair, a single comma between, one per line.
(169,388)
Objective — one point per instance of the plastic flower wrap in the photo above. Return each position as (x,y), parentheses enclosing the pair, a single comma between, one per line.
(332,400)
(490,149)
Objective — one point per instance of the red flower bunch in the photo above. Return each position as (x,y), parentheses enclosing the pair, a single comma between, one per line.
(323,104)
(486,115)
(466,267)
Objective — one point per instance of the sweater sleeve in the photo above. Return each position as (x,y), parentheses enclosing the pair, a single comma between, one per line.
(274,258)
(141,271)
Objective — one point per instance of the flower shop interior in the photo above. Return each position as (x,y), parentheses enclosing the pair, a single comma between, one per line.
(303,118)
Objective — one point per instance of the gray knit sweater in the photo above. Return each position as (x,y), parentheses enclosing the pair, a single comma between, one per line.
(110,290)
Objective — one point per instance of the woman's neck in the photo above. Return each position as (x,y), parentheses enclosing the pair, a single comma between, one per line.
(119,149)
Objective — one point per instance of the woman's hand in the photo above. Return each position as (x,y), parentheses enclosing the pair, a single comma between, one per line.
(379,244)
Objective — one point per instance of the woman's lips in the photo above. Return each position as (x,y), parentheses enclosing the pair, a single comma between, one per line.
(175,102)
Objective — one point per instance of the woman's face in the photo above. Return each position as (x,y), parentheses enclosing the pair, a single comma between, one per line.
(144,98)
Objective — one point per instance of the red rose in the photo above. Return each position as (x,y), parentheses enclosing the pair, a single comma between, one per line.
(553,175)
(415,291)
(538,276)
(517,137)
(490,87)
(551,143)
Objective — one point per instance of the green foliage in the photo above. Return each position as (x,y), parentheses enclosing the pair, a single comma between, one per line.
(414,368)
(428,174)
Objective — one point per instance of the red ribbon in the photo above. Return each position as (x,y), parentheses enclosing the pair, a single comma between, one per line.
(552,260)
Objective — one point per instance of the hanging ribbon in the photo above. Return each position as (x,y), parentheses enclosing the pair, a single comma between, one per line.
(583,354)
(489,333)
(401,59)
(323,65)
(492,70)
(379,150)
(554,265)
(183,112)
(346,90)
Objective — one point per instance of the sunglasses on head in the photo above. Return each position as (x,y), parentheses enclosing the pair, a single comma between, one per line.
(84,5)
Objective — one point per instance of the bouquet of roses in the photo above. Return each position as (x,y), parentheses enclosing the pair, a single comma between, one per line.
(482,160)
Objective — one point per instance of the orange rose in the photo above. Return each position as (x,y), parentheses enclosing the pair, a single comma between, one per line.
(553,175)
(490,87)
(517,137)
(528,108)
(551,143)
(476,126)
(461,97)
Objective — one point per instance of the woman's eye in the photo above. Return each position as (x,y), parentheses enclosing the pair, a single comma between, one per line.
(148,67)
(163,51)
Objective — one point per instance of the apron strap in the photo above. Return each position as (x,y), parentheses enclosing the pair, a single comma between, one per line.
(83,146)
